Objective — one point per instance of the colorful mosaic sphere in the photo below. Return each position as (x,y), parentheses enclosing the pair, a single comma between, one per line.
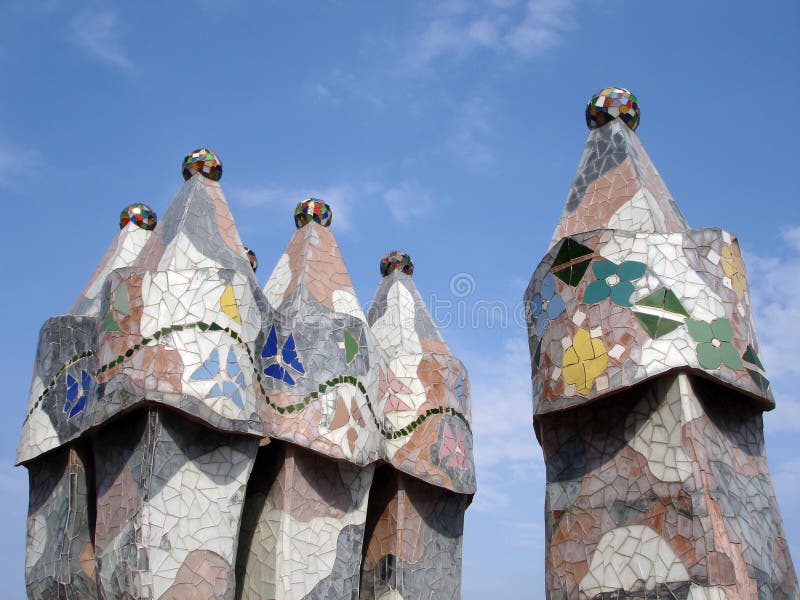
(396,260)
(312,209)
(251,256)
(140,215)
(202,161)
(612,103)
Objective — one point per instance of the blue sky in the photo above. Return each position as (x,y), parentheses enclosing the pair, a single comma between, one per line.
(450,129)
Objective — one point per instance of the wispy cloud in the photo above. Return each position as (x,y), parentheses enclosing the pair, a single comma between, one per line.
(471,130)
(775,290)
(98,34)
(15,162)
(342,199)
(542,28)
(503,413)
(525,31)
(505,445)
(346,86)
(406,201)
(320,91)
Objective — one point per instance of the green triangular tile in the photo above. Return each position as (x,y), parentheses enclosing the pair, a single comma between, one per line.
(760,380)
(665,299)
(672,304)
(655,300)
(649,322)
(121,303)
(573,274)
(666,325)
(570,250)
(751,357)
(350,347)
(109,324)
(656,326)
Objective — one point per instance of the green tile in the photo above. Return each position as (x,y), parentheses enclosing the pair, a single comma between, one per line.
(722,330)
(573,274)
(751,357)
(654,300)
(121,303)
(672,304)
(656,326)
(730,356)
(649,322)
(699,330)
(570,250)
(708,356)
(109,324)
(760,380)
(350,347)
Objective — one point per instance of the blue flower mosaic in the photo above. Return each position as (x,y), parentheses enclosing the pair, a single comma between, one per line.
(280,369)
(77,393)
(228,383)
(546,305)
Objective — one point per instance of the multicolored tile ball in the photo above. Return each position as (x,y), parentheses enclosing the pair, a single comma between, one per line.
(140,215)
(395,260)
(312,209)
(202,161)
(251,256)
(612,103)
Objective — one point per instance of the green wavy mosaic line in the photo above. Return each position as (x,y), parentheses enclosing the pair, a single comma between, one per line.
(202,326)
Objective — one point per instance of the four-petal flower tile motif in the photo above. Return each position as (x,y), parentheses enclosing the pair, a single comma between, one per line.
(288,359)
(613,281)
(714,345)
(77,393)
(228,382)
(584,361)
(546,305)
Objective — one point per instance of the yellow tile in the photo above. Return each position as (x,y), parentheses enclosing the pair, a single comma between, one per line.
(228,304)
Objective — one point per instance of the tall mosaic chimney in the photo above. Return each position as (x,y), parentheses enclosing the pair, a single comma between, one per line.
(648,391)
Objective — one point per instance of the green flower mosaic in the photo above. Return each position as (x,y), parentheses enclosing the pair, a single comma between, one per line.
(714,343)
(613,281)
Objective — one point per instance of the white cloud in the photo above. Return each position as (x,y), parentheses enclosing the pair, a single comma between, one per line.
(542,29)
(774,283)
(502,410)
(346,86)
(471,127)
(320,91)
(526,32)
(406,201)
(775,289)
(97,33)
(508,459)
(341,199)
